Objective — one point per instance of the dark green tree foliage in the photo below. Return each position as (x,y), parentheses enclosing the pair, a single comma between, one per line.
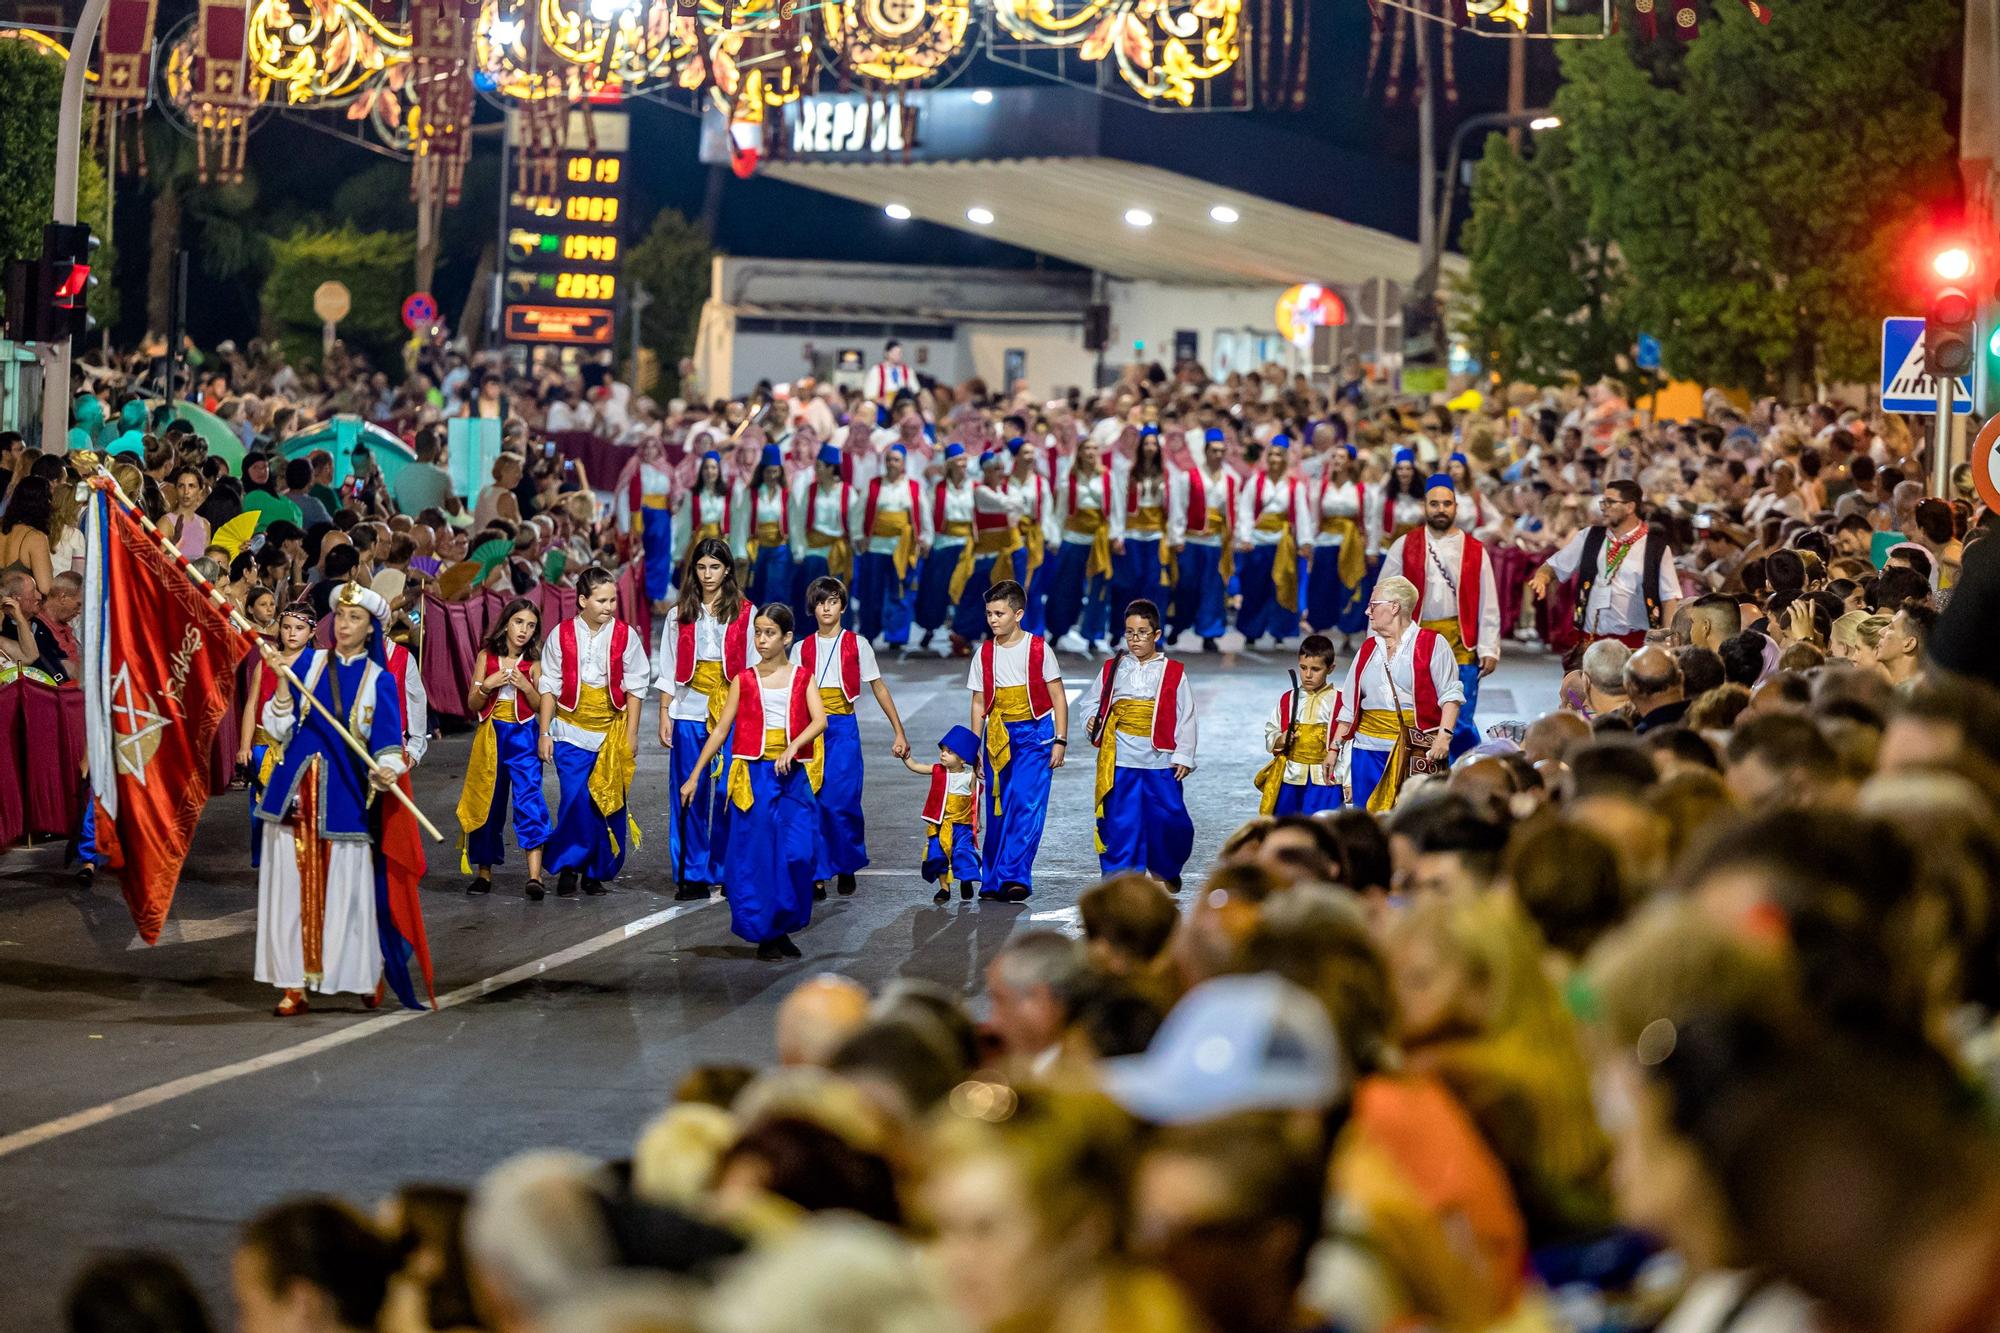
(1757,185)
(30,99)
(375,265)
(672,264)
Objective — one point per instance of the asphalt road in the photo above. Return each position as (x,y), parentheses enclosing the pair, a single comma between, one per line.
(149,1099)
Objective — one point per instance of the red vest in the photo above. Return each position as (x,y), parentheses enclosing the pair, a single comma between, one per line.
(937,508)
(812,505)
(934,799)
(748,740)
(1040,704)
(399,667)
(1360,501)
(488,664)
(1291,500)
(1333,714)
(784,510)
(874,493)
(849,649)
(1197,514)
(1429,712)
(1132,492)
(990,520)
(1166,712)
(1105,505)
(572,676)
(1472,560)
(735,646)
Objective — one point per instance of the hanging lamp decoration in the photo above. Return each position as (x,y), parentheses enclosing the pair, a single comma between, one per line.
(221,91)
(124,81)
(440,138)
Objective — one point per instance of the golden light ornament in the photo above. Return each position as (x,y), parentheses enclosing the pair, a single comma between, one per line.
(895,41)
(322,52)
(645,41)
(177,86)
(1163,49)
(1499,11)
(764,63)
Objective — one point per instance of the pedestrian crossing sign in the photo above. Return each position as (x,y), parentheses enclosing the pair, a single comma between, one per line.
(1906,385)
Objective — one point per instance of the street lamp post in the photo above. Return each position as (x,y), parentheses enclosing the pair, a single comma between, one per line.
(1432,230)
(69,152)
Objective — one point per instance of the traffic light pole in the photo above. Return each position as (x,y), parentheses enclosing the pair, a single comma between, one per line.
(55,356)
(1941,437)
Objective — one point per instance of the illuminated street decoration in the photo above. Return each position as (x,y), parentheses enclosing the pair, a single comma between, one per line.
(1162,49)
(894,42)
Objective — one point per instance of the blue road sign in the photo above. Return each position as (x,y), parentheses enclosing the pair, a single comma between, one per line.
(1906,386)
(1648,356)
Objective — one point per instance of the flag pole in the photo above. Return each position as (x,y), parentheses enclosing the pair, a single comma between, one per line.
(105,481)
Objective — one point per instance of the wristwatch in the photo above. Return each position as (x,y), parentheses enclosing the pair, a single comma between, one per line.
(1060,740)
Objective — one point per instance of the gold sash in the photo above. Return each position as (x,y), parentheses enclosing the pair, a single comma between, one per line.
(611,775)
(765,534)
(272,753)
(896,523)
(475,798)
(1153,517)
(1034,539)
(1010,704)
(1219,525)
(960,528)
(1384,725)
(957,811)
(1129,717)
(652,502)
(994,542)
(709,680)
(1308,748)
(1091,523)
(839,553)
(1353,558)
(739,769)
(1453,635)
(1285,562)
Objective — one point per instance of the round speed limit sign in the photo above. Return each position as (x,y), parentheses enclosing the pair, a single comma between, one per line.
(1986,463)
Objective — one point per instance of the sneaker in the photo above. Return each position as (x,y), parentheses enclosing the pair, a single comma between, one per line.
(1072,642)
(566,884)
(595,888)
(844,885)
(535,891)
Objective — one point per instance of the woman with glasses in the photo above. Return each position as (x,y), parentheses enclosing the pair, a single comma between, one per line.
(1404,677)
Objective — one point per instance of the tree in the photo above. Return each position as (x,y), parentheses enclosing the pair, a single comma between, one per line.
(672,264)
(1758,182)
(30,100)
(225,243)
(375,266)
(1546,299)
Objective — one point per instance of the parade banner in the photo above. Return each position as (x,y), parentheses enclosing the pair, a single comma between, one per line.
(160,676)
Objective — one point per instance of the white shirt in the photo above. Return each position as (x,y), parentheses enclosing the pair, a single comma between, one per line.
(688,703)
(957,509)
(1141,680)
(699,511)
(1037,500)
(1347,499)
(1215,497)
(1153,493)
(894,498)
(1010,665)
(1440,600)
(1287,495)
(826,660)
(593,659)
(416,713)
(777,701)
(1373,690)
(885,379)
(1090,493)
(825,518)
(1316,706)
(1617,604)
(959,783)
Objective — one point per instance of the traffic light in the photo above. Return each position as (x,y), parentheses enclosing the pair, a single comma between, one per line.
(1949,318)
(65,281)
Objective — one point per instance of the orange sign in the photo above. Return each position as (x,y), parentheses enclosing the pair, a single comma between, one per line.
(558,324)
(1306,307)
(1986,463)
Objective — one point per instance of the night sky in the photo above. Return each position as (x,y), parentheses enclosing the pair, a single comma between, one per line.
(299,168)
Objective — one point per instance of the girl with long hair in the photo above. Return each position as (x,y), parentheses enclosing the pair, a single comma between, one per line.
(1140,564)
(771,720)
(505,771)
(256,751)
(1402,508)
(705,511)
(769,548)
(704,644)
(24,530)
(593,684)
(1341,548)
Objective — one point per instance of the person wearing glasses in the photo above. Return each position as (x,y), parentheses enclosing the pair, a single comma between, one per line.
(1626,583)
(1403,677)
(1140,708)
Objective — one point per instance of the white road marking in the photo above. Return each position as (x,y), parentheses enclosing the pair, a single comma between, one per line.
(146,1098)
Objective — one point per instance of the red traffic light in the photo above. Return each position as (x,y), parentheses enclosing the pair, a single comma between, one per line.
(71,284)
(1952,305)
(1953,263)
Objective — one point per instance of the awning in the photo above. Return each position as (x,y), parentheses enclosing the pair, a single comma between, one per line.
(1074,208)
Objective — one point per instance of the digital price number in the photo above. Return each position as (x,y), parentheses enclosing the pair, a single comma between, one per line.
(565,247)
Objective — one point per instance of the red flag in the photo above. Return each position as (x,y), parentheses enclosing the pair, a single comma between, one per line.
(158,686)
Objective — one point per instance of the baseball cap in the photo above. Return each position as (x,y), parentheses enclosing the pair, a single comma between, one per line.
(1237,1043)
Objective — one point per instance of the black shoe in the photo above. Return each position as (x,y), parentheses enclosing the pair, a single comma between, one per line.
(688,893)
(1015,893)
(479,885)
(819,890)
(594,888)
(787,948)
(1211,645)
(967,890)
(86,875)
(941,897)
(844,884)
(1173,886)
(1174,639)
(769,952)
(566,884)
(535,891)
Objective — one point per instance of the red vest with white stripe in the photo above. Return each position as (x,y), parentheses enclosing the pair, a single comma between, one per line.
(747,742)
(572,675)
(1471,561)
(1040,703)
(991,520)
(874,494)
(937,507)
(1429,711)
(1291,497)
(1166,705)
(1285,706)
(849,648)
(934,799)
(735,646)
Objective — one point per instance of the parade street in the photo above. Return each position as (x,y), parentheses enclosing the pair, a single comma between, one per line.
(152,1094)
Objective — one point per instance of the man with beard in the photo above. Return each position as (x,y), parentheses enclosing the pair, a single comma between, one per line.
(1454,580)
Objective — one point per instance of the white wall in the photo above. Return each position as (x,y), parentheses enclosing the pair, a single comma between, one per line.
(1240,321)
(1055,356)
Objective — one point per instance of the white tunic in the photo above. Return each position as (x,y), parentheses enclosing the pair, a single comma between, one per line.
(957,509)
(1440,600)
(593,655)
(1373,690)
(1141,680)
(688,704)
(1010,665)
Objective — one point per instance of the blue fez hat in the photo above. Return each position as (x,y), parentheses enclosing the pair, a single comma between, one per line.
(1406,456)
(1215,435)
(961,741)
(900,450)
(1146,430)
(829,455)
(1014,445)
(954,450)
(1462,460)
(1352,452)
(1437,479)
(712,454)
(771,457)
(1281,441)
(991,458)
